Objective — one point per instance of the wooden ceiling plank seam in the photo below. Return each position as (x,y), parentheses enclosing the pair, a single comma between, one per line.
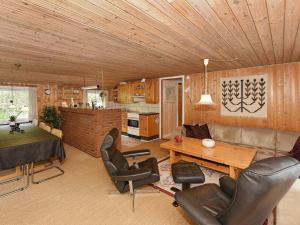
(292,19)
(213,34)
(183,46)
(144,37)
(227,35)
(95,46)
(186,24)
(182,49)
(171,22)
(233,25)
(240,12)
(75,56)
(276,17)
(41,54)
(296,46)
(260,17)
(131,48)
(96,28)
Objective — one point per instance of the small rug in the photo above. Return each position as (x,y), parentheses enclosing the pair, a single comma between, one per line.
(166,179)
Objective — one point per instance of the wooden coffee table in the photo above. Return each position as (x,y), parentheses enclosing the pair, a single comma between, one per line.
(226,158)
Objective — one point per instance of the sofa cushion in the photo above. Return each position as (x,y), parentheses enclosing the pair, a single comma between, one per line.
(230,134)
(201,132)
(259,137)
(296,149)
(286,140)
(197,131)
(188,130)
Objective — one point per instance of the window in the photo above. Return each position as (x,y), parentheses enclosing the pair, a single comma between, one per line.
(94,96)
(17,101)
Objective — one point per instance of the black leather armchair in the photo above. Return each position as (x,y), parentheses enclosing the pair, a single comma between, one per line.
(246,201)
(127,178)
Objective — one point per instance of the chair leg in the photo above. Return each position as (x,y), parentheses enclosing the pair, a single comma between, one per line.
(9,180)
(16,179)
(61,172)
(132,193)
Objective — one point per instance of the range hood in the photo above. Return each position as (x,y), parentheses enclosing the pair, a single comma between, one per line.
(138,98)
(95,87)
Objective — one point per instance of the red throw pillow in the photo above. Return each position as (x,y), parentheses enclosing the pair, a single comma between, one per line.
(200,132)
(295,152)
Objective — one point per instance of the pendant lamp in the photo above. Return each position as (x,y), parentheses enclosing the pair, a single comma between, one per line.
(205,98)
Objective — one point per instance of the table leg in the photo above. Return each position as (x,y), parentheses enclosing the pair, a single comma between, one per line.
(232,172)
(172,157)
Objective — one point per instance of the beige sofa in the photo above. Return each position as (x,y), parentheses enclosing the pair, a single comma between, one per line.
(268,142)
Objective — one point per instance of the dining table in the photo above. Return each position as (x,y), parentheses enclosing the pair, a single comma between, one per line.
(31,146)
(23,148)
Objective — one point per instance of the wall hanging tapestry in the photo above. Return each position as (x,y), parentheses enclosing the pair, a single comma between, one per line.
(244,96)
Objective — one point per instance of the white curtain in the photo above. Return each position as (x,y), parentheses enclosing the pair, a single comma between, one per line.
(32,96)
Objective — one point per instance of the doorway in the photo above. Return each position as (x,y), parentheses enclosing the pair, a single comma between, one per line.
(171,105)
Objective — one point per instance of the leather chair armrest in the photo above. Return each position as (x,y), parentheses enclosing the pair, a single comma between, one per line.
(227,185)
(136,174)
(136,153)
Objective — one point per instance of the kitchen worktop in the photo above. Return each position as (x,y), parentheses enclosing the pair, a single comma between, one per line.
(142,113)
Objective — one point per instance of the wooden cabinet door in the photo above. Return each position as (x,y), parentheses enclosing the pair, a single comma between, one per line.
(124,122)
(153,125)
(129,93)
(125,93)
(121,93)
(139,88)
(152,91)
(149,125)
(143,126)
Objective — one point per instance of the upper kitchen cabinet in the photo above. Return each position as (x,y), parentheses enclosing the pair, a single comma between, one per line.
(125,93)
(152,91)
(139,88)
(149,89)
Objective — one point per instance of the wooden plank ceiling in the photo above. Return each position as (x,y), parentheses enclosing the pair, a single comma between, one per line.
(66,41)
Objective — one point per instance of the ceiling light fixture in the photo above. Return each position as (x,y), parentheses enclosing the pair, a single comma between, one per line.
(205,98)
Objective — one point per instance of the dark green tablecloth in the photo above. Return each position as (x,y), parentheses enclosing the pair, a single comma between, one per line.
(33,145)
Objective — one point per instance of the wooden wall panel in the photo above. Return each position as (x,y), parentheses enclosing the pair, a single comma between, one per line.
(54,99)
(283,97)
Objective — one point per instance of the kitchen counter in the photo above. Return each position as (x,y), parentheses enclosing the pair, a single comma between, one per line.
(85,129)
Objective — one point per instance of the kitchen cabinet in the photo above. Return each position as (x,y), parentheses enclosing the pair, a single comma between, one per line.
(139,88)
(149,126)
(152,91)
(149,89)
(124,122)
(125,93)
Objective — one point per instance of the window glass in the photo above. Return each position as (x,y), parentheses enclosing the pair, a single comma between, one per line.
(94,96)
(18,102)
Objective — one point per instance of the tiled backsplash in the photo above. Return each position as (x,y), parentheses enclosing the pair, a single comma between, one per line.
(137,107)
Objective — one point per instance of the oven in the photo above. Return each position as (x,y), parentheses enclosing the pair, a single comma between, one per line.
(133,124)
